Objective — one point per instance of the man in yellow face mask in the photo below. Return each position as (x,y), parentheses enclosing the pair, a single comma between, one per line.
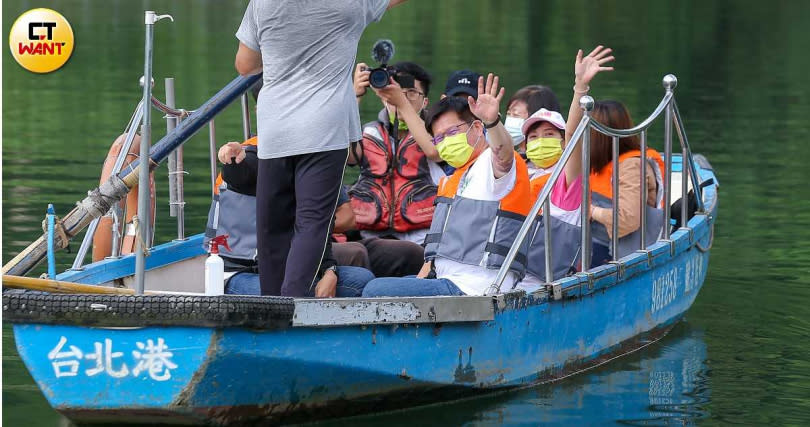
(479,209)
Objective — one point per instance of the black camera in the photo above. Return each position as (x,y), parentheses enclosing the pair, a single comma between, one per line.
(380,77)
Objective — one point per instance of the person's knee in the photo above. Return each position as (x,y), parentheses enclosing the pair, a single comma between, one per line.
(353,280)
(243,284)
(350,254)
(375,288)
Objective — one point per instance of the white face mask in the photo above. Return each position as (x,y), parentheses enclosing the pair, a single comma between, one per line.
(514,125)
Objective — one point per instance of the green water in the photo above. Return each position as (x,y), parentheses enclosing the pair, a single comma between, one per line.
(742,355)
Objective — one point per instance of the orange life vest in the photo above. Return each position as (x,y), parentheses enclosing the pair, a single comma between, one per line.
(395,190)
(517,201)
(538,182)
(602,196)
(602,181)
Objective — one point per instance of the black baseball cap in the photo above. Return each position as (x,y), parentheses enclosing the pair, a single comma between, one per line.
(462,82)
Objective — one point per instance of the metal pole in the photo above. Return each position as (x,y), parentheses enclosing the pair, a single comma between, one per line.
(587,104)
(643,187)
(171,123)
(685,143)
(117,214)
(146,142)
(181,198)
(212,148)
(176,203)
(547,239)
(144,202)
(684,187)
(669,84)
(615,228)
(51,220)
(245,117)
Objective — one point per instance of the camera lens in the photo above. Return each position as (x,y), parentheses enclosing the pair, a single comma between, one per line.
(378,78)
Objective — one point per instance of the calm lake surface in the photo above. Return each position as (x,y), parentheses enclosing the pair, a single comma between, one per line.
(743,353)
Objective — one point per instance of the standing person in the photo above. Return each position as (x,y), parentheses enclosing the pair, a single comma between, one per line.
(233,213)
(307,115)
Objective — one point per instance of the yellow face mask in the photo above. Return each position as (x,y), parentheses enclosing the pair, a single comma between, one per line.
(544,152)
(455,150)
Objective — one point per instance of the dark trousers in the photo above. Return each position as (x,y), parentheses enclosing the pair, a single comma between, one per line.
(296,197)
(394,258)
(384,257)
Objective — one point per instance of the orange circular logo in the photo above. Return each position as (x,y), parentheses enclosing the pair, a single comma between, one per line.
(41,40)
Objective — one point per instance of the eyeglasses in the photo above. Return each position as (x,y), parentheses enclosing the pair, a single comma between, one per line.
(413,94)
(454,130)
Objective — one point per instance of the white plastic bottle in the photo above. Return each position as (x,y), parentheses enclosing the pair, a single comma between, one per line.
(215,267)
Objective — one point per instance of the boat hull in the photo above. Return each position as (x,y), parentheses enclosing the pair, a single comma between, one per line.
(331,358)
(227,375)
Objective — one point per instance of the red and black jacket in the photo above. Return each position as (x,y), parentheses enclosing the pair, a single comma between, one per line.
(395,191)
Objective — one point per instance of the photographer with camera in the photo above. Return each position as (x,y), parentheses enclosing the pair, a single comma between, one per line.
(306,118)
(394,194)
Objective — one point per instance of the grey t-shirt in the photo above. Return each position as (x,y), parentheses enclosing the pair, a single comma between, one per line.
(308,48)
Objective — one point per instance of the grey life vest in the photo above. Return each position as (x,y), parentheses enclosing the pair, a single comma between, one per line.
(566,240)
(479,232)
(233,214)
(631,242)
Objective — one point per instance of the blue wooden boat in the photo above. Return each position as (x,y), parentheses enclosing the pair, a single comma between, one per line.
(180,358)
(175,355)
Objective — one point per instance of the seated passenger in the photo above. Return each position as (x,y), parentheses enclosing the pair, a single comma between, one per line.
(545,133)
(393,196)
(525,102)
(462,83)
(479,209)
(612,114)
(234,213)
(384,257)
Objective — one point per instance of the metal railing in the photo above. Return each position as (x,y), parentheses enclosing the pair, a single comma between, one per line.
(140,117)
(669,108)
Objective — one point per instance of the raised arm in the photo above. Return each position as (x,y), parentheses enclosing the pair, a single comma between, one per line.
(585,69)
(393,95)
(487,109)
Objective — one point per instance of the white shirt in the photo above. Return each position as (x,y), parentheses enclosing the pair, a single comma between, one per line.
(480,184)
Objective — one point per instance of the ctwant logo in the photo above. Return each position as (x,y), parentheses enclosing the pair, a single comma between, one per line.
(41,40)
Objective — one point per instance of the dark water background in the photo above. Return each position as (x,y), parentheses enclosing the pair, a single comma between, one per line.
(743,353)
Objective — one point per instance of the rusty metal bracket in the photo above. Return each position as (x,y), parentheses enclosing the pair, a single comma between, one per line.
(620,269)
(555,289)
(671,244)
(691,232)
